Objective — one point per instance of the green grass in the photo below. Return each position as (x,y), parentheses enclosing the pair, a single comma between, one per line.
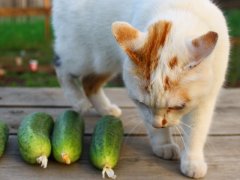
(233,19)
(27,35)
(22,33)
(233,75)
(29,79)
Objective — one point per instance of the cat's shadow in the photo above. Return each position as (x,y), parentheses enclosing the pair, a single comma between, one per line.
(137,152)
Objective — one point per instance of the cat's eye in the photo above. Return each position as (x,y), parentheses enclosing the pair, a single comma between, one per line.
(178,108)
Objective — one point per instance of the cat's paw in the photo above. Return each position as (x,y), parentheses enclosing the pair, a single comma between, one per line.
(82,106)
(167,151)
(112,109)
(193,168)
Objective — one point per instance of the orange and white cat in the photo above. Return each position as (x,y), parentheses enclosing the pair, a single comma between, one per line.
(173,57)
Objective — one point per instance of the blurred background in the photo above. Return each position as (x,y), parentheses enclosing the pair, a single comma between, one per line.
(26,39)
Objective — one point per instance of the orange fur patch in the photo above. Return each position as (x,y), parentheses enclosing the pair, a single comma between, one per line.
(125,33)
(146,58)
(166,83)
(184,95)
(169,84)
(93,82)
(173,62)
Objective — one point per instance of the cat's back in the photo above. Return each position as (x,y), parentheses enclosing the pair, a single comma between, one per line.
(83,35)
(86,18)
(82,28)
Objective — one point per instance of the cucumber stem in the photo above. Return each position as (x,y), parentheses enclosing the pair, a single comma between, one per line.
(43,161)
(110,173)
(66,158)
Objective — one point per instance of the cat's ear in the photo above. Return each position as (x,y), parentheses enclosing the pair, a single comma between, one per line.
(201,47)
(128,37)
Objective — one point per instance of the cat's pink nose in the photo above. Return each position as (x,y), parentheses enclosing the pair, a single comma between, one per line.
(160,124)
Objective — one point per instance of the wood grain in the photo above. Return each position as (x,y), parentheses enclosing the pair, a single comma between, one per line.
(24,11)
(46,97)
(137,162)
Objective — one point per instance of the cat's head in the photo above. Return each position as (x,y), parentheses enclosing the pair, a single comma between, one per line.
(167,72)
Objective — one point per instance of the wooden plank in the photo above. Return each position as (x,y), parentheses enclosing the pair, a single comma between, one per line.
(229,98)
(31,11)
(226,120)
(46,97)
(52,97)
(47,3)
(228,4)
(131,120)
(136,162)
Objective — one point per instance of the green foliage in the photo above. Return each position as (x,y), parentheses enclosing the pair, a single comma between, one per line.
(233,76)
(233,19)
(38,79)
(18,34)
(25,34)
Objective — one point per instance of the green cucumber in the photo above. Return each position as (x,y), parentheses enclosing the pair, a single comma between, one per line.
(106,144)
(34,138)
(3,137)
(67,137)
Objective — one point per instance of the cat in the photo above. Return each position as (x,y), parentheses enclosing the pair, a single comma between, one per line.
(173,56)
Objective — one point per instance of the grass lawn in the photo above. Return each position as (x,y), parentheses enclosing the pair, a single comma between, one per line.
(25,37)
(233,19)
(18,35)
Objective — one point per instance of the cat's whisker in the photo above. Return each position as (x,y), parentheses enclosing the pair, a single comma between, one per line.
(186,125)
(129,122)
(210,146)
(184,132)
(131,131)
(184,145)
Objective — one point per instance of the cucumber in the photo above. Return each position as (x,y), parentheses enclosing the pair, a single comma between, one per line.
(34,138)
(67,137)
(106,144)
(3,137)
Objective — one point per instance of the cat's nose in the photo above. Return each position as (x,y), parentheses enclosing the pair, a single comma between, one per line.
(160,124)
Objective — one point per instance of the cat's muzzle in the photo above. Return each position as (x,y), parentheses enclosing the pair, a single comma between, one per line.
(160,124)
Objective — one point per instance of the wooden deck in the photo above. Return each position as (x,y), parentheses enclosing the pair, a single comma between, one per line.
(137,160)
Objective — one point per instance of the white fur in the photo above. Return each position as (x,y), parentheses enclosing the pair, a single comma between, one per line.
(85,45)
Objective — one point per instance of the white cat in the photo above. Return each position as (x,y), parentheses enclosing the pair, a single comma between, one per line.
(173,57)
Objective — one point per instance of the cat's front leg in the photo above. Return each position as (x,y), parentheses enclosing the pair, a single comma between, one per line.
(92,85)
(192,159)
(162,143)
(72,92)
